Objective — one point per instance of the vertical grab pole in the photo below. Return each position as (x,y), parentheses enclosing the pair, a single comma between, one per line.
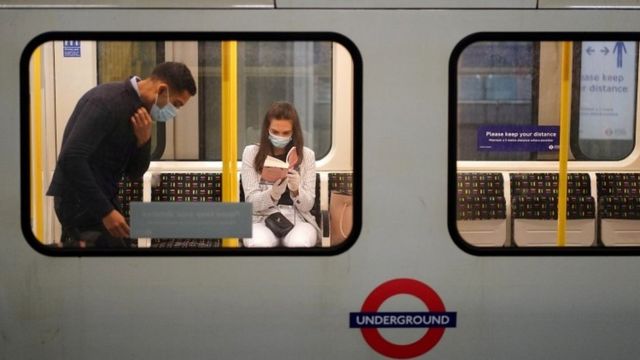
(229,127)
(37,192)
(565,113)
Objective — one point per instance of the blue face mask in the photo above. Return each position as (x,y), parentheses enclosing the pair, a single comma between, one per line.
(279,141)
(165,113)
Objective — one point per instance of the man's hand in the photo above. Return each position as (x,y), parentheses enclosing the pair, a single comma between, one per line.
(141,122)
(116,224)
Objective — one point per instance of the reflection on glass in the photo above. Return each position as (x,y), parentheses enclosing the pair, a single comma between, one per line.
(495,87)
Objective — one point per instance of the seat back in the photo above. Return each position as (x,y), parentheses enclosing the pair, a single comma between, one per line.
(192,187)
(129,190)
(618,195)
(535,196)
(480,196)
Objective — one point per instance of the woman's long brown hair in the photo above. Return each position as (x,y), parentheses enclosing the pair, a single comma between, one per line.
(279,110)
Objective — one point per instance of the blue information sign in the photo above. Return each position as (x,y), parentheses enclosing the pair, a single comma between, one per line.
(518,138)
(71,48)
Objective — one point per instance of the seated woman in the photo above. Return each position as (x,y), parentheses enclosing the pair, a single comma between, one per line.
(294,194)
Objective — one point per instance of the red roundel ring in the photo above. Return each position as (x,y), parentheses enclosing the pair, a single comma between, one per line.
(396,287)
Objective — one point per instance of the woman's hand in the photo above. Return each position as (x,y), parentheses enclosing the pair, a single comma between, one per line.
(278,189)
(293,178)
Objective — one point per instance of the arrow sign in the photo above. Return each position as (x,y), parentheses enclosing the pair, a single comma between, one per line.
(620,50)
(608,91)
(589,50)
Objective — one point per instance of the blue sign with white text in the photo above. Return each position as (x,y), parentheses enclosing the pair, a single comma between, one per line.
(518,138)
(445,319)
(71,48)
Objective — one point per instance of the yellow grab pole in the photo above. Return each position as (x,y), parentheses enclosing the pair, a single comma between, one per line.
(37,195)
(229,127)
(565,113)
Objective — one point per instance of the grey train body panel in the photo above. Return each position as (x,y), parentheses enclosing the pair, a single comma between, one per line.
(286,307)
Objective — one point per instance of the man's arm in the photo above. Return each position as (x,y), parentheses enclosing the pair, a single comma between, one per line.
(92,123)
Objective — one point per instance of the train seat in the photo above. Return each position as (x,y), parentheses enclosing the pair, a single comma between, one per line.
(198,187)
(187,187)
(129,190)
(340,183)
(481,214)
(619,208)
(534,209)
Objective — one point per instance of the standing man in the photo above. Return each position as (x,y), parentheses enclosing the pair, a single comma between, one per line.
(108,135)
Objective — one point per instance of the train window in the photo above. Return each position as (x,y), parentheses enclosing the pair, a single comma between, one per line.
(562,110)
(101,180)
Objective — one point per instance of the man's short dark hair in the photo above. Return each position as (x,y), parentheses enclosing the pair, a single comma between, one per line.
(177,75)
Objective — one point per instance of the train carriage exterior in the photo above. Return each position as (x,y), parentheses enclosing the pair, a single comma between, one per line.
(459,249)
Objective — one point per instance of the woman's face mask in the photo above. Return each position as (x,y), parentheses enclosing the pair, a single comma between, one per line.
(280,132)
(279,141)
(165,113)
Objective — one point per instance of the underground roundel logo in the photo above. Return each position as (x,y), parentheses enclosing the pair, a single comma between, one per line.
(436,319)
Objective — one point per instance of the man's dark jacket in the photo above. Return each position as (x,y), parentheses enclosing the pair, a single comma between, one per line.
(98,146)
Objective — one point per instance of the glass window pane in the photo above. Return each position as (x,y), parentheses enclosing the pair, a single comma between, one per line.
(268,71)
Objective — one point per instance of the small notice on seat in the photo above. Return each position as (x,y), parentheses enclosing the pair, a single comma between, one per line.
(190,220)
